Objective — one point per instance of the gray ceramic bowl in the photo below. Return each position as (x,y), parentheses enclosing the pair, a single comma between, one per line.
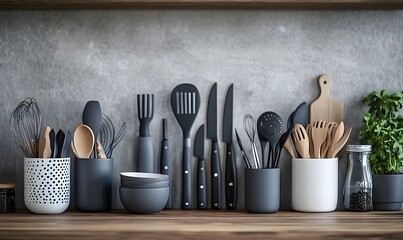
(142,178)
(144,200)
(149,185)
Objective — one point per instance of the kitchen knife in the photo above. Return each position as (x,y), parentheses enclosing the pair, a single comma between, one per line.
(201,169)
(165,158)
(231,181)
(215,150)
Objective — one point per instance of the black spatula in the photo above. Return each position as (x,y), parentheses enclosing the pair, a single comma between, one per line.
(185,102)
(92,117)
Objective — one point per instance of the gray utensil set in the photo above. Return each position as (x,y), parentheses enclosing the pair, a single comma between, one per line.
(185,102)
(97,136)
(26,128)
(270,130)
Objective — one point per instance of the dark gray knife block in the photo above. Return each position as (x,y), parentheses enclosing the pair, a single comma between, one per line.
(93,184)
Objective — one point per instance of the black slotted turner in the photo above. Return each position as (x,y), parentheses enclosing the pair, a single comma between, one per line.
(185,102)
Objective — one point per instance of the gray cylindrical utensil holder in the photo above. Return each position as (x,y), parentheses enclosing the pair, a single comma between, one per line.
(262,190)
(145,155)
(93,184)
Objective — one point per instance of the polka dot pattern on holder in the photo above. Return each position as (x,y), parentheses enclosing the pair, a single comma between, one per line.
(47,181)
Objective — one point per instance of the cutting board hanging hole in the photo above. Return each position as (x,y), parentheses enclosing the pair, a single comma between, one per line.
(324,107)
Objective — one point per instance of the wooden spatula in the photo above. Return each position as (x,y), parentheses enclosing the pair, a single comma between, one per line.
(319,133)
(324,107)
(44,144)
(301,140)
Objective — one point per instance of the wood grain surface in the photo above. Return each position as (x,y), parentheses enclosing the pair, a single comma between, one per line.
(182,224)
(287,4)
(325,107)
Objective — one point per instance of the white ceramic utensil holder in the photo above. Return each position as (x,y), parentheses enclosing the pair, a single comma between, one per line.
(47,185)
(314,184)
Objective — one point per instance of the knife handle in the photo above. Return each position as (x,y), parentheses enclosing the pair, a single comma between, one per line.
(186,176)
(215,176)
(201,184)
(165,167)
(231,181)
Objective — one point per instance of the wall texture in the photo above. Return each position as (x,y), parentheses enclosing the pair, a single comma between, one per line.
(65,58)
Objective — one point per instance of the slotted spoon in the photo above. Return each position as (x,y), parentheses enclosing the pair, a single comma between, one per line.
(271,128)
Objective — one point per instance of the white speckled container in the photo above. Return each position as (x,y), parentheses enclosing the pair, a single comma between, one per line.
(47,185)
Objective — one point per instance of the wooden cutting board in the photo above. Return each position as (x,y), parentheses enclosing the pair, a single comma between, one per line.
(324,107)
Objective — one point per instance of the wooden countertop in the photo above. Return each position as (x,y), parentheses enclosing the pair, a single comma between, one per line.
(178,224)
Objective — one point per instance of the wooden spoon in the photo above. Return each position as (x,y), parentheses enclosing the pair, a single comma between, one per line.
(338,134)
(319,133)
(74,149)
(301,140)
(84,141)
(340,144)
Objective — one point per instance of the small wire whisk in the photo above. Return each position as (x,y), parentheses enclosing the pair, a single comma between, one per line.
(26,126)
(108,137)
(250,129)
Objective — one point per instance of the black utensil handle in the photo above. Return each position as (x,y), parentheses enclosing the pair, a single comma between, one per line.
(164,157)
(201,184)
(186,176)
(215,176)
(231,181)
(165,167)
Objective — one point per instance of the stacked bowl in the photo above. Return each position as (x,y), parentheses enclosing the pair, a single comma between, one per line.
(143,192)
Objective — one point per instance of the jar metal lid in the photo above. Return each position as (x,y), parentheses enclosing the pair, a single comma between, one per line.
(358,148)
(7,185)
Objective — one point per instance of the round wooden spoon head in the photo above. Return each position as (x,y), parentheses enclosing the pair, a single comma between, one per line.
(83,141)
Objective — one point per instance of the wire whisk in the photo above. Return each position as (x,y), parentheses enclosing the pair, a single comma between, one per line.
(26,126)
(250,129)
(108,137)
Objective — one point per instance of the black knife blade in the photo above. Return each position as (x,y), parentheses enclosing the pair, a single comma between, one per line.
(215,150)
(231,181)
(201,169)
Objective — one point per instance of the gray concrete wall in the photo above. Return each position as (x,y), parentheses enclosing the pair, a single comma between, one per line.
(65,58)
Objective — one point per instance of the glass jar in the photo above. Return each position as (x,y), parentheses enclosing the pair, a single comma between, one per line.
(7,198)
(358,183)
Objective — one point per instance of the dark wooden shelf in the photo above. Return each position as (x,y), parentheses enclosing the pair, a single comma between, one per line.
(194,224)
(265,4)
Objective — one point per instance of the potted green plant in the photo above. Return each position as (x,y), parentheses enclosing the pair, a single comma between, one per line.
(383,130)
